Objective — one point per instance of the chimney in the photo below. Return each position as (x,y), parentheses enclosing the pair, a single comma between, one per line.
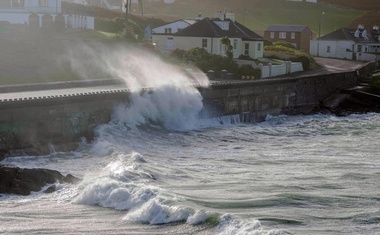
(360,26)
(199,17)
(220,15)
(376,28)
(230,15)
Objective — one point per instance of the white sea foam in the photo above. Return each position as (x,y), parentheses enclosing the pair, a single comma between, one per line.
(228,225)
(124,185)
(173,107)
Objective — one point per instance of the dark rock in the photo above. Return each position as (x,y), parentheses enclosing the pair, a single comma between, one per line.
(70,179)
(14,180)
(51,189)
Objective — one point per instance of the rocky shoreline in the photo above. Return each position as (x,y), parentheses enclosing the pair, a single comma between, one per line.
(22,181)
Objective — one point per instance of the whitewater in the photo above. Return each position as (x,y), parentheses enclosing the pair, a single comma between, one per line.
(160,168)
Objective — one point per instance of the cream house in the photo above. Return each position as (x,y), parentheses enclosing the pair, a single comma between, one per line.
(207,33)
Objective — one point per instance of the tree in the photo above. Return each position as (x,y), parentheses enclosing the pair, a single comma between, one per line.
(227,42)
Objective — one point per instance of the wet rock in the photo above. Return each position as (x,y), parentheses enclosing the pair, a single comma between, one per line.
(51,189)
(14,180)
(70,179)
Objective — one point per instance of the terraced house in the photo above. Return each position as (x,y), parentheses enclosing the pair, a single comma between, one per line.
(207,33)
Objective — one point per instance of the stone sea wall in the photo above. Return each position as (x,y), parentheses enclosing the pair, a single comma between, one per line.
(36,126)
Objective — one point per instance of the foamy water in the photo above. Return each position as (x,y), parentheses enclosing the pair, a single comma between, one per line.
(288,175)
(158,168)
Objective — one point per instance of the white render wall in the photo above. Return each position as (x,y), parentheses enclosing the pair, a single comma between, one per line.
(338,49)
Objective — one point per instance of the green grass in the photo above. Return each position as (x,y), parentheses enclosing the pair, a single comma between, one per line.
(258,14)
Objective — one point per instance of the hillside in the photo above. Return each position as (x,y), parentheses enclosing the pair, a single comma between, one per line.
(370,18)
(258,14)
(365,5)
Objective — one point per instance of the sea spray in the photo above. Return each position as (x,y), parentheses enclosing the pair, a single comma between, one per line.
(172,99)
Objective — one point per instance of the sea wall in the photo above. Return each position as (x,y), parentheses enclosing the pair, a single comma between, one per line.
(35,126)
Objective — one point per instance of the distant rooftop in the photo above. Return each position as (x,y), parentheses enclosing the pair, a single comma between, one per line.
(286,28)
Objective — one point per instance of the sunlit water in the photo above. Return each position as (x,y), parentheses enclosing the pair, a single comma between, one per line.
(315,174)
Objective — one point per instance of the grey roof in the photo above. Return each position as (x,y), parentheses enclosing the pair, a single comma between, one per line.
(287,28)
(208,28)
(349,35)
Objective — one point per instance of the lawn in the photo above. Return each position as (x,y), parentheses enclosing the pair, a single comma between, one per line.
(258,14)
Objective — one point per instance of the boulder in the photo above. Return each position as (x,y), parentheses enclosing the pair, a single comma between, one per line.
(14,180)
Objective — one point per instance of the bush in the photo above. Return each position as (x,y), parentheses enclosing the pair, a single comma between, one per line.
(115,25)
(299,56)
(196,54)
(306,63)
(375,83)
(284,44)
(247,69)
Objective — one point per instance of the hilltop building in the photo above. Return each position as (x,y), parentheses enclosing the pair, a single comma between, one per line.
(41,14)
(298,35)
(353,44)
(207,33)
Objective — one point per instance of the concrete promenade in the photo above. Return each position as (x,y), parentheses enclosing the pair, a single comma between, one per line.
(60,89)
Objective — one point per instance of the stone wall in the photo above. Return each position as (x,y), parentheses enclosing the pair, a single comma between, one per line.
(35,126)
(31,126)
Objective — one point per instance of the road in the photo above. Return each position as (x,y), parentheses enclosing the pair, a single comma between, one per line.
(327,66)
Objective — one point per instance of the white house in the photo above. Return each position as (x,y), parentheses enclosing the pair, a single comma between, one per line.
(41,13)
(353,44)
(172,27)
(207,33)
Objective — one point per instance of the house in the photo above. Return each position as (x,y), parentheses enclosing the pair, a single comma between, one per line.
(28,6)
(354,44)
(298,35)
(114,5)
(207,33)
(173,27)
(41,14)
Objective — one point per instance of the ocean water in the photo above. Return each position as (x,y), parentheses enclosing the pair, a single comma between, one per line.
(159,168)
(314,174)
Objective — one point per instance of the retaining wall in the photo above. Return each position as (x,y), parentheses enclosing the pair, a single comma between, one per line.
(31,126)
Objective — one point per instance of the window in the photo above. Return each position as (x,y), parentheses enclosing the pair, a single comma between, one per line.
(43,3)
(282,35)
(204,43)
(271,34)
(293,35)
(168,30)
(328,50)
(246,49)
(359,48)
(259,47)
(18,3)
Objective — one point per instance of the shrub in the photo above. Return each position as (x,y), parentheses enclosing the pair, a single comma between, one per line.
(284,44)
(375,83)
(196,54)
(305,60)
(299,56)
(115,25)
(247,69)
